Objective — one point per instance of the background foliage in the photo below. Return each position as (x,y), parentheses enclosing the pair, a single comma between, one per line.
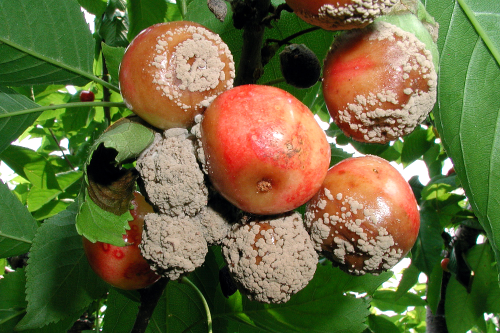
(46,46)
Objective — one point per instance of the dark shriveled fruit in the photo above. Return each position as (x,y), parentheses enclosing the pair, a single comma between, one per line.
(300,66)
(340,14)
(365,217)
(379,83)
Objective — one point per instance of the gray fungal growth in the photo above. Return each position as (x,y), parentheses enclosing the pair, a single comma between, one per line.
(272,258)
(173,246)
(214,220)
(357,12)
(171,174)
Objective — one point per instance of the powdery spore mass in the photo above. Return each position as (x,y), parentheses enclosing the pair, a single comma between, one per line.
(271,259)
(171,174)
(194,66)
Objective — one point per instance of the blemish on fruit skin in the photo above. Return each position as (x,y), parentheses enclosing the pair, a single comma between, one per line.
(105,246)
(118,254)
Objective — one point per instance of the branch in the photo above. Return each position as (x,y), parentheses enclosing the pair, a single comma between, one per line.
(149,299)
(62,106)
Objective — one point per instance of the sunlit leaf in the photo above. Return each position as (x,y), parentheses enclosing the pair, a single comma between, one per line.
(35,50)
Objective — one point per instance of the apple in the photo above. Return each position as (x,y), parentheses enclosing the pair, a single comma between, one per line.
(365,217)
(264,151)
(123,266)
(340,14)
(171,72)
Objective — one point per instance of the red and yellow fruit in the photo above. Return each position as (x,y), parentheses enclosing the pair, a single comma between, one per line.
(365,217)
(264,151)
(379,83)
(123,266)
(172,71)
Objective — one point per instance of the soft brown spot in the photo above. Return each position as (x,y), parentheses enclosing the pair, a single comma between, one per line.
(264,185)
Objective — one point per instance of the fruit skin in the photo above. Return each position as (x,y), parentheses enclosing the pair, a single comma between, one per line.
(264,151)
(340,14)
(365,218)
(379,83)
(167,77)
(87,96)
(124,267)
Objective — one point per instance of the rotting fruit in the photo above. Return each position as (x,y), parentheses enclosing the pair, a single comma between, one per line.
(123,266)
(172,71)
(300,66)
(340,14)
(270,258)
(379,83)
(264,151)
(365,217)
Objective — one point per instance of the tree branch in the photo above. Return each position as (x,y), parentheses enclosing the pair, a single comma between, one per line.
(149,298)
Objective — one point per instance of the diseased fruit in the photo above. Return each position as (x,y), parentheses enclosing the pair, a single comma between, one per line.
(172,71)
(87,96)
(379,83)
(270,258)
(124,267)
(340,14)
(264,151)
(300,66)
(365,217)
(444,264)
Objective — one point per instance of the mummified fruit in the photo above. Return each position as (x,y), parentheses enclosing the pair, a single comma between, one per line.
(365,217)
(264,151)
(340,14)
(123,266)
(379,83)
(172,71)
(270,258)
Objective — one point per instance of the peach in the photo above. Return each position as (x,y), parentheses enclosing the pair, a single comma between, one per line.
(365,217)
(171,72)
(123,266)
(264,151)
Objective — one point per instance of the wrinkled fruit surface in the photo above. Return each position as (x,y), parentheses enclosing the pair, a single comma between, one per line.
(172,71)
(124,267)
(340,14)
(379,83)
(264,151)
(365,217)
(300,66)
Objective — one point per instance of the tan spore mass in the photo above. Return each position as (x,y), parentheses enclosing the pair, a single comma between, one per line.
(171,174)
(272,258)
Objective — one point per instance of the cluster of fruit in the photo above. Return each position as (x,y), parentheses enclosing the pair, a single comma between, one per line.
(230,165)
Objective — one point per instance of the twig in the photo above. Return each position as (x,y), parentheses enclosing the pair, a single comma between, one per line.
(60,149)
(149,298)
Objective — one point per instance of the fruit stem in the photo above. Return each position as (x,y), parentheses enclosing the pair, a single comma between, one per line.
(62,106)
(250,68)
(480,31)
(185,280)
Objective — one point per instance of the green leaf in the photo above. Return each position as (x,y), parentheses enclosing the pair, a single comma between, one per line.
(380,324)
(408,280)
(35,50)
(57,267)
(12,303)
(113,56)
(96,7)
(17,226)
(416,144)
(143,14)
(96,224)
(120,312)
(128,139)
(113,25)
(387,300)
(12,127)
(468,118)
(427,250)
